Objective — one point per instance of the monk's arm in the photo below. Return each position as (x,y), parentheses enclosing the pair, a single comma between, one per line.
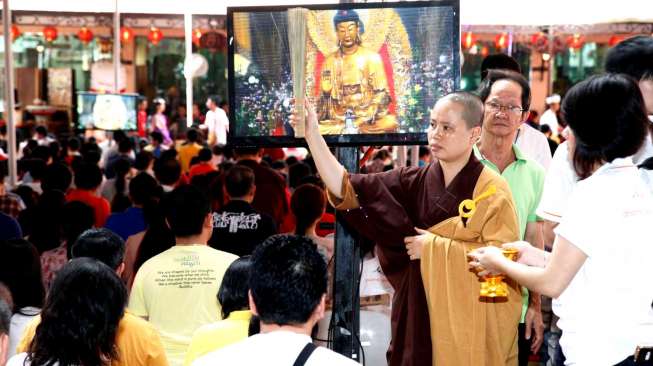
(331,171)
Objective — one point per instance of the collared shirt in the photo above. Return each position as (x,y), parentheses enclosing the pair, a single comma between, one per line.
(218,335)
(279,348)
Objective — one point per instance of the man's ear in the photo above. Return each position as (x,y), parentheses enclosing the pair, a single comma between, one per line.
(318,313)
(252,305)
(121,269)
(208,220)
(4,348)
(476,134)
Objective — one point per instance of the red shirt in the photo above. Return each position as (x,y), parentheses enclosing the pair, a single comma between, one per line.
(100,205)
(141,123)
(200,169)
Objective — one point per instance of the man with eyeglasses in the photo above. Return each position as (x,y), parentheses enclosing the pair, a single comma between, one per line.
(506,96)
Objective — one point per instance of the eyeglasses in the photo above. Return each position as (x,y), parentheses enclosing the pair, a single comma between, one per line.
(496,107)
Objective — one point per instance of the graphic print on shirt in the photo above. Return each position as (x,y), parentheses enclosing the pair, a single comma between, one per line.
(236,221)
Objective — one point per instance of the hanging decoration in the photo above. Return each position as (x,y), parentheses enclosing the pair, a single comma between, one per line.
(614,40)
(197,35)
(540,42)
(468,40)
(126,35)
(485,51)
(155,36)
(50,33)
(501,41)
(15,32)
(85,35)
(576,41)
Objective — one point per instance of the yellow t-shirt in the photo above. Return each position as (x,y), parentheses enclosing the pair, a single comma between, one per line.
(137,341)
(177,292)
(186,153)
(217,335)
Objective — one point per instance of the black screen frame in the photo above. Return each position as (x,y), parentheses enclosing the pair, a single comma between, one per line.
(343,139)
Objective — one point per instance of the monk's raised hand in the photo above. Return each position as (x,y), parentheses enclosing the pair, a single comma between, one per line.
(415,244)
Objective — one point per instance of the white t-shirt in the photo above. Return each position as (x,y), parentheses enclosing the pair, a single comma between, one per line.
(217,123)
(561,179)
(279,348)
(176,291)
(21,360)
(19,322)
(533,143)
(605,312)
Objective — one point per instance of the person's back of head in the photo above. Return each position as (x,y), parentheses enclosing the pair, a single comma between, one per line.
(607,116)
(297,172)
(499,61)
(57,176)
(143,160)
(41,131)
(192,135)
(167,172)
(307,203)
(545,129)
(101,244)
(157,137)
(205,155)
(143,188)
(125,146)
(239,182)
(77,218)
(74,144)
(235,287)
(20,271)
(248,153)
(632,57)
(186,211)
(80,317)
(88,177)
(119,135)
(288,281)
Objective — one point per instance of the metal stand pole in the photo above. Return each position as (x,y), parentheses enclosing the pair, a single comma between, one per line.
(9,94)
(346,299)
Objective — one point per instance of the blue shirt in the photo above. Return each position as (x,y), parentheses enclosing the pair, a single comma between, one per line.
(127,223)
(9,228)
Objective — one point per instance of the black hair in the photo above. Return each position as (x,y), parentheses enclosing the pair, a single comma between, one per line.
(41,130)
(74,144)
(125,146)
(143,188)
(120,201)
(119,135)
(215,99)
(20,271)
(205,155)
(496,75)
(57,176)
(88,176)
(307,204)
(244,151)
(167,171)
(545,128)
(192,135)
(608,118)
(297,172)
(77,218)
(157,136)
(424,151)
(158,236)
(44,224)
(234,287)
(499,61)
(186,210)
(80,318)
(287,280)
(143,160)
(101,244)
(279,165)
(291,160)
(37,168)
(5,317)
(217,150)
(239,181)
(632,57)
(55,150)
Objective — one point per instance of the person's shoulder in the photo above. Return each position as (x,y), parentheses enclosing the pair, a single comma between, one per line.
(219,255)
(488,178)
(324,355)
(233,354)
(18,360)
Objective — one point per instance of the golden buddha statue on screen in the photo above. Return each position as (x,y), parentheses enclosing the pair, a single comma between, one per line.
(353,92)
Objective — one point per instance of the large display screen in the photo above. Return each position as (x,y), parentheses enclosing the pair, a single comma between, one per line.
(106,111)
(373,70)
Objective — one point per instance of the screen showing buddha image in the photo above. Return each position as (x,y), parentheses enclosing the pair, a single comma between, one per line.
(368,71)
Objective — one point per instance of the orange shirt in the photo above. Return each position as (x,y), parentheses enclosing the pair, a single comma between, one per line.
(100,205)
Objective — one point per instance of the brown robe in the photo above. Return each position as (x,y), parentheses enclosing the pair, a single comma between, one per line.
(386,207)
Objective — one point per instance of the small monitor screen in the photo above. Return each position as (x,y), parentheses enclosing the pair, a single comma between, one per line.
(106,111)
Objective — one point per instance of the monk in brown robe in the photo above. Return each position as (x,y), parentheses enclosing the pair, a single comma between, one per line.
(428,268)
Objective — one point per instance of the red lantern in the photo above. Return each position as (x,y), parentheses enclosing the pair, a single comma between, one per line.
(485,51)
(15,32)
(501,41)
(468,40)
(50,33)
(614,40)
(197,34)
(155,36)
(85,35)
(126,35)
(576,41)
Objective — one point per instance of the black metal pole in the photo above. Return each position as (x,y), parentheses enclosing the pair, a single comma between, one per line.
(346,299)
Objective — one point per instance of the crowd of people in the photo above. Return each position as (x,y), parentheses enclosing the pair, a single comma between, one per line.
(147,249)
